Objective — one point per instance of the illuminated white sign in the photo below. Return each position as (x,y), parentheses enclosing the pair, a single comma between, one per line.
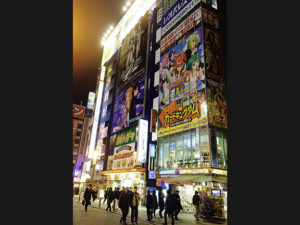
(142,141)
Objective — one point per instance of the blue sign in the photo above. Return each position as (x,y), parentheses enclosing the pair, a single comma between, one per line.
(152,150)
(173,11)
(151,174)
(168,172)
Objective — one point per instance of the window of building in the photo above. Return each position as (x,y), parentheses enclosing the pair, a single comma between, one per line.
(172,150)
(204,148)
(166,154)
(220,140)
(179,150)
(187,149)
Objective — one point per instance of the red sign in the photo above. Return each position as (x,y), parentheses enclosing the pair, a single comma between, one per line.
(78,111)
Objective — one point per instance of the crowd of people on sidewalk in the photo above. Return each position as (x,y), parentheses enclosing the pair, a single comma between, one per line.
(127,198)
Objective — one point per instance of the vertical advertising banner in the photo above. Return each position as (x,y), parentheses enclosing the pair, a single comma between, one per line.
(77,126)
(213,55)
(133,54)
(124,152)
(182,69)
(91,100)
(78,111)
(142,141)
(129,105)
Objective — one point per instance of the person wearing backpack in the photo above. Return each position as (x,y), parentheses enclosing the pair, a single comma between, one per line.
(135,201)
(196,203)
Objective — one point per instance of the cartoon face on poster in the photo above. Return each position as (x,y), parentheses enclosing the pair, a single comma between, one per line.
(213,54)
(183,114)
(133,54)
(217,107)
(182,69)
(128,106)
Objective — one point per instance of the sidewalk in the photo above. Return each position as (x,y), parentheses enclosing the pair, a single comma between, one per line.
(142,216)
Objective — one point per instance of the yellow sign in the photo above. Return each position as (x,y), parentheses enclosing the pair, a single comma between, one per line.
(123,171)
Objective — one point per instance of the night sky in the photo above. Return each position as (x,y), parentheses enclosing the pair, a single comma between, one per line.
(91,19)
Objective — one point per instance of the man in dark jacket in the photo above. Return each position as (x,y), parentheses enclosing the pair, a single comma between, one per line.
(178,205)
(196,203)
(87,196)
(149,205)
(154,202)
(105,195)
(110,198)
(124,200)
(161,202)
(169,207)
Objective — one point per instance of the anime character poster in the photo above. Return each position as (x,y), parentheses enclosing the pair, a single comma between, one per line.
(128,106)
(182,69)
(213,56)
(217,107)
(183,114)
(133,54)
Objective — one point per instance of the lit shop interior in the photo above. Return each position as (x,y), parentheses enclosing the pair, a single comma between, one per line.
(190,149)
(126,179)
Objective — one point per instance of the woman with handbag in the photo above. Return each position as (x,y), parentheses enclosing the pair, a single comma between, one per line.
(87,196)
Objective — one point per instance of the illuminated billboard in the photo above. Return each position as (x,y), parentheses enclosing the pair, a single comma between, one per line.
(91,100)
(183,114)
(182,69)
(128,105)
(78,111)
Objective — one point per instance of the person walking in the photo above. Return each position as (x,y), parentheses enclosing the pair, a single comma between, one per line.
(178,205)
(117,195)
(161,202)
(94,195)
(169,207)
(149,205)
(135,201)
(110,198)
(124,200)
(154,202)
(87,196)
(105,195)
(196,203)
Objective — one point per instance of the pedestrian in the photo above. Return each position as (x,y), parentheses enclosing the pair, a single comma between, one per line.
(110,198)
(87,196)
(154,202)
(169,207)
(135,201)
(94,193)
(149,206)
(117,195)
(124,200)
(105,195)
(115,199)
(178,205)
(161,202)
(196,203)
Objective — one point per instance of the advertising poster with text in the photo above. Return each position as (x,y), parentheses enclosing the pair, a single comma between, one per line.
(213,55)
(133,54)
(182,69)
(217,107)
(128,106)
(183,114)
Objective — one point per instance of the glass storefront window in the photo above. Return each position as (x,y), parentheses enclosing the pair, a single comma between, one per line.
(187,149)
(205,155)
(179,150)
(195,148)
(220,149)
(172,150)
(166,154)
(160,150)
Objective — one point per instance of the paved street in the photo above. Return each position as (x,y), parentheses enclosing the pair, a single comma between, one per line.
(98,216)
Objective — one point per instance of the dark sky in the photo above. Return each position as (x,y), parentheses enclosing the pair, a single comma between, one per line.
(91,19)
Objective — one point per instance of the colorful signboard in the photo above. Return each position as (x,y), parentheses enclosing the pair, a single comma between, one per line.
(191,21)
(91,100)
(133,54)
(176,12)
(125,137)
(128,105)
(78,111)
(179,116)
(182,69)
(124,157)
(142,141)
